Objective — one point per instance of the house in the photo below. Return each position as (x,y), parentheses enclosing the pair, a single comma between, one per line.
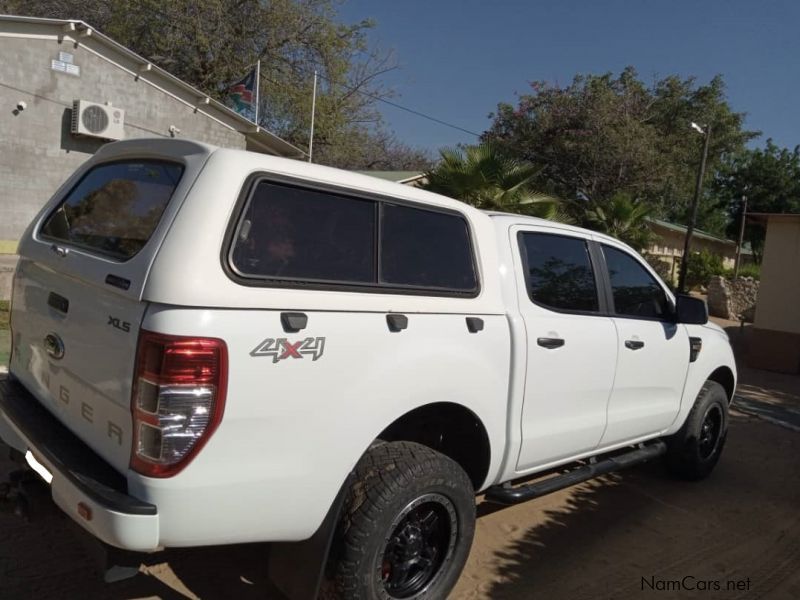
(774,338)
(667,246)
(47,65)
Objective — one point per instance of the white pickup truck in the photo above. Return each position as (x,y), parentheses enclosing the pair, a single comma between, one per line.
(213,347)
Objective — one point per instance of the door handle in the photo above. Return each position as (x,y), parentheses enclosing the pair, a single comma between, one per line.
(550,343)
(293,322)
(396,322)
(634,344)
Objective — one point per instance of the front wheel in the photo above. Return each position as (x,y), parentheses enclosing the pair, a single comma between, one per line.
(694,450)
(407,526)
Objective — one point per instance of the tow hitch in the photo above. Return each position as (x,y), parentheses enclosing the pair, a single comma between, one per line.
(26,495)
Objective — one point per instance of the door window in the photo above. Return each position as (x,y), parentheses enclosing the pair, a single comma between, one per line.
(559,272)
(636,292)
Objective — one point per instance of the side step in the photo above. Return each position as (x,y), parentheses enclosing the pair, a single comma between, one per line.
(515,495)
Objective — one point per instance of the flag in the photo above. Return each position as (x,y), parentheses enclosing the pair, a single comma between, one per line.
(243,95)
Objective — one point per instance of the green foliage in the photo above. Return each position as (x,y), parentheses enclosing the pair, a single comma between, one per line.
(488,179)
(213,43)
(602,135)
(747,270)
(702,266)
(623,218)
(770,177)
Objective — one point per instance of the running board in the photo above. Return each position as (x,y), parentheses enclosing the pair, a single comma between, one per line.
(515,495)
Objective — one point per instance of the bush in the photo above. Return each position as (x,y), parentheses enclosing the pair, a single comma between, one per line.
(702,266)
(748,270)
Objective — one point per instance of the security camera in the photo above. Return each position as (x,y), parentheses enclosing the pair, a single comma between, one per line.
(174,130)
(21,105)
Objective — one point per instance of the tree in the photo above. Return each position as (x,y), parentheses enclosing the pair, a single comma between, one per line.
(488,179)
(770,177)
(213,43)
(623,218)
(602,135)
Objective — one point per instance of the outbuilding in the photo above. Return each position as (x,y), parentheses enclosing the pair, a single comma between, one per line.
(774,342)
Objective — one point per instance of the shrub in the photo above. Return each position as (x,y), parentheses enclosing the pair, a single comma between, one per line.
(702,266)
(749,270)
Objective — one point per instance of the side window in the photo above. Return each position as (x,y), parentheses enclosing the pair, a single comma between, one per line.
(636,292)
(293,233)
(559,272)
(423,248)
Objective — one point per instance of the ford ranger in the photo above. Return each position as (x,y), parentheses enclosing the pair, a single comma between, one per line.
(212,346)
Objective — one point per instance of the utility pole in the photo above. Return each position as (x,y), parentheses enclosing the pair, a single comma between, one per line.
(693,217)
(313,110)
(258,85)
(741,239)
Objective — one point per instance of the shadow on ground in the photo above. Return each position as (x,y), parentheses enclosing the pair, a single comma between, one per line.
(614,537)
(598,540)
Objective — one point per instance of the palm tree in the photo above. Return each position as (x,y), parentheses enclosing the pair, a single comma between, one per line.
(486,178)
(623,218)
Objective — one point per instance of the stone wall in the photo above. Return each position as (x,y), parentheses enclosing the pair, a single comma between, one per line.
(732,298)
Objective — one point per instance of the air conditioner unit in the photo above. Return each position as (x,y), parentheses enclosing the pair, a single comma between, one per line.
(98,120)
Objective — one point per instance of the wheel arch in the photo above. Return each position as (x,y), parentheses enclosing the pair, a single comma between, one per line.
(724,376)
(449,428)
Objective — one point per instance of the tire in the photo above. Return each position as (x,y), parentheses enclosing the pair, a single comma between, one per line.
(693,452)
(406,528)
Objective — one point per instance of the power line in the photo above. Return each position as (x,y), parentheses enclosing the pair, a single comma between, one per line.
(400,107)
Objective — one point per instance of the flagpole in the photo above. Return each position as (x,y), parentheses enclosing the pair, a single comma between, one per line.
(258,85)
(313,110)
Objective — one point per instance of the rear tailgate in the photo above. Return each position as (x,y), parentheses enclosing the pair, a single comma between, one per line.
(76,307)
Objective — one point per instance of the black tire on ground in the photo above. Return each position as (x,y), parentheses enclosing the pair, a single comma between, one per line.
(694,450)
(406,528)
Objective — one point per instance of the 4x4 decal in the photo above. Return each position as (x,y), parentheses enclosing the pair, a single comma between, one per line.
(282,348)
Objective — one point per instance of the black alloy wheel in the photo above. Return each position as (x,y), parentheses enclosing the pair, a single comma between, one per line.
(422,539)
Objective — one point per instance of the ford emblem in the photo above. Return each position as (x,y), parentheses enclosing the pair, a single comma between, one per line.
(54,346)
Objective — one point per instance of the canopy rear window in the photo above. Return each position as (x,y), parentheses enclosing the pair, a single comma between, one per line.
(115,207)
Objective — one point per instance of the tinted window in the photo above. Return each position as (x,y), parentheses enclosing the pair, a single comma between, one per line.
(421,248)
(293,233)
(560,272)
(636,292)
(115,208)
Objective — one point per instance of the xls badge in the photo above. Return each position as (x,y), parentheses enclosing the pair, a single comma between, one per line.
(281,348)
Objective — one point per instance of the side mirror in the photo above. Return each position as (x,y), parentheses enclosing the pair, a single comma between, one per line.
(690,310)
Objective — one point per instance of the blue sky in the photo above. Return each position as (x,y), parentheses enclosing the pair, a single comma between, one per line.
(459,58)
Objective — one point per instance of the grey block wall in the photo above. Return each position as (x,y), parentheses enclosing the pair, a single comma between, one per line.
(37,150)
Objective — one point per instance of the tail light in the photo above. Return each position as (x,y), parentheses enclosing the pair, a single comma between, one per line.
(178,400)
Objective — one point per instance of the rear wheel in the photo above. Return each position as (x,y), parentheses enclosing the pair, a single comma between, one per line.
(694,450)
(407,526)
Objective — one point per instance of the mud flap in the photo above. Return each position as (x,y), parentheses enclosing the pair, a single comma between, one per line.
(297,568)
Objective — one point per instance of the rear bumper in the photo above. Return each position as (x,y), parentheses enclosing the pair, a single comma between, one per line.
(79,474)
